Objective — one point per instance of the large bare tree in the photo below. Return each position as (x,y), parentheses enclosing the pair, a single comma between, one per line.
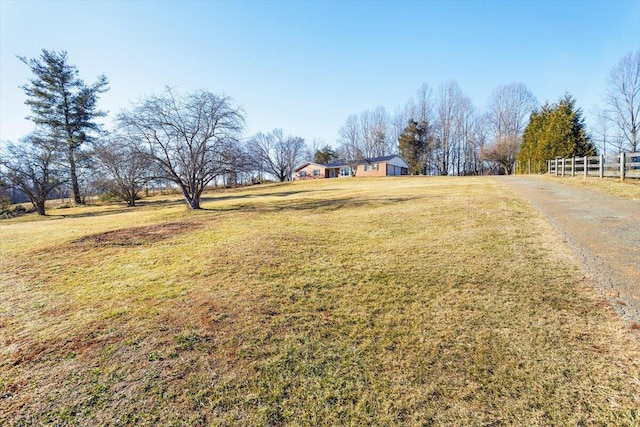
(509,109)
(374,133)
(185,136)
(453,124)
(279,154)
(623,98)
(35,167)
(351,149)
(502,153)
(123,169)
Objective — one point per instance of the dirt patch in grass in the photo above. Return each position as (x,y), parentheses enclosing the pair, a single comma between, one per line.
(137,236)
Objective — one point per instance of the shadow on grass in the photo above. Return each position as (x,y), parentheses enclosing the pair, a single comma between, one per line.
(327,205)
(164,203)
(208,199)
(254,203)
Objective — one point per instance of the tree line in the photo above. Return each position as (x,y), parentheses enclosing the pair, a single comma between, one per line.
(186,140)
(193,140)
(440,132)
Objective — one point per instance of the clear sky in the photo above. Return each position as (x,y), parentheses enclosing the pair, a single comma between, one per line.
(304,66)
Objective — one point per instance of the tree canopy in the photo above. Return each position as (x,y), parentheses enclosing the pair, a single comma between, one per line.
(623,98)
(555,130)
(277,153)
(34,167)
(185,136)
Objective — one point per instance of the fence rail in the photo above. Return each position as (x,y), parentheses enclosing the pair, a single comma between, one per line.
(623,166)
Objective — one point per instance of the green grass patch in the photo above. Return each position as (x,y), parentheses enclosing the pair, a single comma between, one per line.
(400,301)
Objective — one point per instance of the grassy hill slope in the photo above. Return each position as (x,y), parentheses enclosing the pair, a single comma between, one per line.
(397,301)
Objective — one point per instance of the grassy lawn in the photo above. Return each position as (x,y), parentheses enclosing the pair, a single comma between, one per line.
(397,301)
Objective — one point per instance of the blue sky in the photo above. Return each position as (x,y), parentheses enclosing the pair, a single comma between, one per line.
(304,66)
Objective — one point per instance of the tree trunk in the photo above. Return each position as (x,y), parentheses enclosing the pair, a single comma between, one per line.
(194,203)
(39,205)
(75,188)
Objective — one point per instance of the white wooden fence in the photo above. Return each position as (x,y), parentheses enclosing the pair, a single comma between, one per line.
(624,165)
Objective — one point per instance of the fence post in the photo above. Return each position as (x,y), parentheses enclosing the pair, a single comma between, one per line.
(556,165)
(564,166)
(622,165)
(601,165)
(573,166)
(586,166)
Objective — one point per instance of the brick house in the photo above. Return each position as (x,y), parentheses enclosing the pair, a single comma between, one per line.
(376,166)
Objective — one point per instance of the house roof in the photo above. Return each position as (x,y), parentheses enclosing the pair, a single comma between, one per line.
(360,162)
(304,165)
(343,163)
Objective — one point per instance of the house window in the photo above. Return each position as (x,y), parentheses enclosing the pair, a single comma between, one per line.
(303,174)
(366,167)
(345,171)
(316,172)
(374,167)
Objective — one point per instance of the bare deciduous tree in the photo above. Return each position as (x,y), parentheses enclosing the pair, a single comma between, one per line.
(35,167)
(454,120)
(279,154)
(604,134)
(623,97)
(350,148)
(374,132)
(507,115)
(509,108)
(185,136)
(502,152)
(123,169)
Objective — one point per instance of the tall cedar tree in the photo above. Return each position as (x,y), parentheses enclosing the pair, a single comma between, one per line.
(555,130)
(413,144)
(62,104)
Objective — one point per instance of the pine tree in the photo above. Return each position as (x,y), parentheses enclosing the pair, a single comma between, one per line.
(63,106)
(325,155)
(413,144)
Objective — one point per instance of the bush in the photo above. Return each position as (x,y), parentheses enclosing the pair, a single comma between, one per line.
(8,211)
(5,204)
(110,196)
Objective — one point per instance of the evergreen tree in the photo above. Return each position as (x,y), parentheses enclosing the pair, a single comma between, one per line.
(325,155)
(556,130)
(413,144)
(63,106)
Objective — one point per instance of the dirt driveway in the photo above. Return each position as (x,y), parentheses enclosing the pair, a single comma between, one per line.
(603,230)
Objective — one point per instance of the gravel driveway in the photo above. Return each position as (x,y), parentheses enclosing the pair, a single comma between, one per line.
(603,230)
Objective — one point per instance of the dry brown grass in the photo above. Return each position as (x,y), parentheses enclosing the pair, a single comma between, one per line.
(403,301)
(629,188)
